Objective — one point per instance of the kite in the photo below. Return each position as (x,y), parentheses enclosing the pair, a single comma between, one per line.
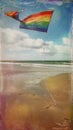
(13,14)
(39,21)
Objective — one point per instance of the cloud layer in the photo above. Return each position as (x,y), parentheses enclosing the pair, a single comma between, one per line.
(59,3)
(15,42)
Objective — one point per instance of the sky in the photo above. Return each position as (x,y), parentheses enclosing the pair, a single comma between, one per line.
(23,44)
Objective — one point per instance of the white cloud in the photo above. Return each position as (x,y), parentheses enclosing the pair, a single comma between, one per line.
(66,40)
(19,44)
(48,48)
(17,40)
(62,49)
(59,3)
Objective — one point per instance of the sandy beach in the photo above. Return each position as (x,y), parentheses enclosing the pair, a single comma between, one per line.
(36,97)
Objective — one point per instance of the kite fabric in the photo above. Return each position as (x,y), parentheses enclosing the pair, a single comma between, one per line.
(13,14)
(39,21)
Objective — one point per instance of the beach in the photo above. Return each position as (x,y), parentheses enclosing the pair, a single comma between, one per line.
(36,96)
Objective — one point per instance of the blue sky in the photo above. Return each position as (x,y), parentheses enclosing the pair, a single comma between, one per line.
(34,45)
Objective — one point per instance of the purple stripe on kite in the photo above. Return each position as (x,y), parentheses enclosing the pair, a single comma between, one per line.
(33,28)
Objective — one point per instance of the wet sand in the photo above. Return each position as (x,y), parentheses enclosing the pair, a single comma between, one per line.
(38,99)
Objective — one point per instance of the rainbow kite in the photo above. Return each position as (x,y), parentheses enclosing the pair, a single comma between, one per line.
(13,14)
(39,21)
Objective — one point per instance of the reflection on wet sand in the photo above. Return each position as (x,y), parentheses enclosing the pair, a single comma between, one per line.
(37,101)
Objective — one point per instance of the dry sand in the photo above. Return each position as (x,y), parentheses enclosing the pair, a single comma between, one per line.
(60,86)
